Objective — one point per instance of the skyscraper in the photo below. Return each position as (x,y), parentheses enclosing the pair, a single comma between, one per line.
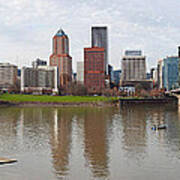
(61,58)
(133,66)
(42,79)
(8,76)
(117,76)
(80,72)
(94,71)
(170,73)
(160,73)
(99,38)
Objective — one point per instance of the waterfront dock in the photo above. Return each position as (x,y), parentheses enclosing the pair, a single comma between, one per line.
(165,100)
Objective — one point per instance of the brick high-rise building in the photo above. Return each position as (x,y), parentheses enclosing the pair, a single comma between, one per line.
(94,70)
(61,58)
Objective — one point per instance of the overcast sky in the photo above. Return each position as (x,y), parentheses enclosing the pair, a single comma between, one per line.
(27,28)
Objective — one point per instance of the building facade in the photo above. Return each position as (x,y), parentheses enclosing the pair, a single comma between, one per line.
(74,77)
(43,79)
(160,74)
(8,77)
(80,72)
(117,76)
(99,38)
(154,77)
(110,73)
(94,71)
(148,76)
(170,72)
(133,66)
(61,58)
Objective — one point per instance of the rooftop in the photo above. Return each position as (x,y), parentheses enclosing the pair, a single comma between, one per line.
(7,64)
(133,53)
(60,33)
(94,49)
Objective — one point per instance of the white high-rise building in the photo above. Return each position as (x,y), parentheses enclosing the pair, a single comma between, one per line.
(8,76)
(42,78)
(133,66)
(160,73)
(80,71)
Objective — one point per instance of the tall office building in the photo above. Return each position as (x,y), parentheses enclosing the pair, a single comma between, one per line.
(80,71)
(99,38)
(8,76)
(94,71)
(170,72)
(110,73)
(117,76)
(154,76)
(61,58)
(160,73)
(133,66)
(39,80)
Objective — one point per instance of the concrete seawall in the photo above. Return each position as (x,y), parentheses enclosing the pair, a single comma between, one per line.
(168,100)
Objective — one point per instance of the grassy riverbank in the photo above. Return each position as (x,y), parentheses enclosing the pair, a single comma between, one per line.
(54,99)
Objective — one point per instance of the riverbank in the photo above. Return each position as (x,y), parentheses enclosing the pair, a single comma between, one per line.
(55,101)
(58,104)
(21,100)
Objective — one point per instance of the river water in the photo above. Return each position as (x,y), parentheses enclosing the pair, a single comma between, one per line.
(90,143)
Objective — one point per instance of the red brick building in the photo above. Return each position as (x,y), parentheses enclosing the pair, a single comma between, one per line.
(94,70)
(61,58)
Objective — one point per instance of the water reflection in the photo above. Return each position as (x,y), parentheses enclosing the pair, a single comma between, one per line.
(96,125)
(20,127)
(158,116)
(134,137)
(61,140)
(108,143)
(8,131)
(8,120)
(173,132)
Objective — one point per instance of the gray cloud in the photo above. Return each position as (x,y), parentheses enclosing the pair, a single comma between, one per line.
(27,27)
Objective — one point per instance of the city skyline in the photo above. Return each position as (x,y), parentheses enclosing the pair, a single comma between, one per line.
(27,28)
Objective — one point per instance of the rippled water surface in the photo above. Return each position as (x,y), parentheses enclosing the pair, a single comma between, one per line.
(90,143)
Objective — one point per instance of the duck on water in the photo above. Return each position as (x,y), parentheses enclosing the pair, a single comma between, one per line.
(159,127)
(7,161)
